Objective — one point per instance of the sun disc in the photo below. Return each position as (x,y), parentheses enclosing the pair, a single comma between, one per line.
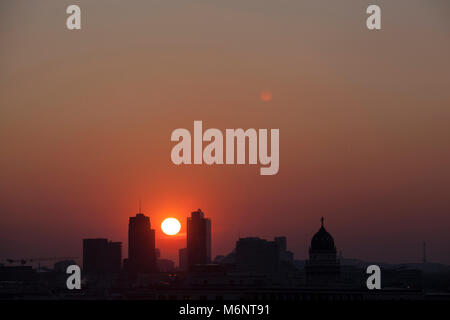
(171,226)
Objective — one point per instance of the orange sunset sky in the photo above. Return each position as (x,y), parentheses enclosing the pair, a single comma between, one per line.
(86,118)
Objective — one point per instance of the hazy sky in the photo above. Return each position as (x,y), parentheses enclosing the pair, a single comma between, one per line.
(86,118)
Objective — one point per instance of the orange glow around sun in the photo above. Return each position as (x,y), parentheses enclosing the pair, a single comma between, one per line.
(171,226)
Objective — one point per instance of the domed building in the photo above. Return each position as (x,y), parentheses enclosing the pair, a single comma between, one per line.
(323,265)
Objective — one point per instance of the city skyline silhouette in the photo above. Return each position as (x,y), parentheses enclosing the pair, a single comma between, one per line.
(180,240)
(252,270)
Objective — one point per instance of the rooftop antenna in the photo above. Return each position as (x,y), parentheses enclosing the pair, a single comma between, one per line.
(140,205)
(424,259)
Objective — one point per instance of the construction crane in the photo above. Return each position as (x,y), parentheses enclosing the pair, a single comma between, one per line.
(38,260)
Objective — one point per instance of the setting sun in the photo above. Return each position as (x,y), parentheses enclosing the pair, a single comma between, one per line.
(171,226)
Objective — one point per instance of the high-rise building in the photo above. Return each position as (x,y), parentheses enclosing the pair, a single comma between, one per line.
(101,256)
(198,239)
(141,245)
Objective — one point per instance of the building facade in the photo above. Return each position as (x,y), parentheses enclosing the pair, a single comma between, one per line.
(101,256)
(183,259)
(198,239)
(141,245)
(255,255)
(323,267)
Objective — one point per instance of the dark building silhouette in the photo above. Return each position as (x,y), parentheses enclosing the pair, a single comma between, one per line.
(101,256)
(183,259)
(323,267)
(115,256)
(141,245)
(61,266)
(198,239)
(165,265)
(17,273)
(285,255)
(257,255)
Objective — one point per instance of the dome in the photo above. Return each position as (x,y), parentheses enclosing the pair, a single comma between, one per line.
(322,240)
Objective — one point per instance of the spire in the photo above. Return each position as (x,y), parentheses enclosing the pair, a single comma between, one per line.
(140,205)
(321,221)
(424,259)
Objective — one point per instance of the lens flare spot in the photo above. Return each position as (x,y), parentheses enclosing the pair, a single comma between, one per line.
(265,96)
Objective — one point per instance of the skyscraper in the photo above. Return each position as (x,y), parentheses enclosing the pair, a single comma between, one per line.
(141,245)
(198,239)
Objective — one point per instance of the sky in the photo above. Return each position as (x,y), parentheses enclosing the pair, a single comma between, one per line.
(86,118)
